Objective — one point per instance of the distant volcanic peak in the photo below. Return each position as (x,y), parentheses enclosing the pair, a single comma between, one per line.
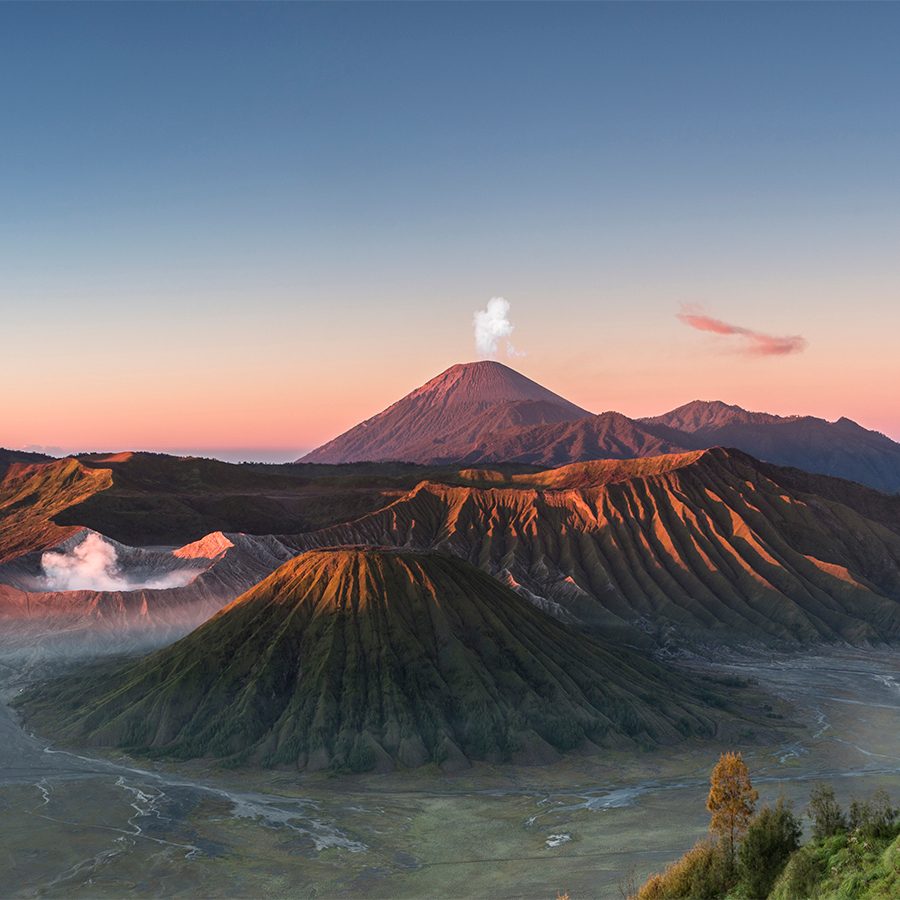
(487,382)
(849,425)
(700,415)
(446,419)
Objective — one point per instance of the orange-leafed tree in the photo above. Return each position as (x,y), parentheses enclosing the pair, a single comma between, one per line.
(731,801)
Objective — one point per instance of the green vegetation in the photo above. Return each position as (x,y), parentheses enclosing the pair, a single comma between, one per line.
(849,857)
(770,840)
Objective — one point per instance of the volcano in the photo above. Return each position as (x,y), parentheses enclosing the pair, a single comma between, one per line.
(485,412)
(445,419)
(355,658)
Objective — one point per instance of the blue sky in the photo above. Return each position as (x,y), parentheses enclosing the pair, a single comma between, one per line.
(205,203)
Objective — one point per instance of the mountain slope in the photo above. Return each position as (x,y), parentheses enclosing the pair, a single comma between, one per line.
(360,658)
(713,543)
(447,417)
(32,495)
(609,435)
(7,457)
(843,448)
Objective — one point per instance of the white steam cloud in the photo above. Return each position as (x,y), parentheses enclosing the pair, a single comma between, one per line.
(491,326)
(93,565)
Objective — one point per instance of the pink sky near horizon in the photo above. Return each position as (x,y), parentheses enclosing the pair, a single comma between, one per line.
(235,383)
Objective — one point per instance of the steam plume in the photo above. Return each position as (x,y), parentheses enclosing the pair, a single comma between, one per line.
(93,565)
(752,343)
(491,326)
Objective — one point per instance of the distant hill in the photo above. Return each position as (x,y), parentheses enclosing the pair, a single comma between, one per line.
(445,419)
(700,416)
(20,456)
(842,448)
(357,658)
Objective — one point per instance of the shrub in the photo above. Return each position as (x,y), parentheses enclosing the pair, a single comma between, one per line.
(701,874)
(875,817)
(801,875)
(771,838)
(827,817)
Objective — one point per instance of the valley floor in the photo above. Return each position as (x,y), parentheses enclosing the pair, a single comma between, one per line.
(79,825)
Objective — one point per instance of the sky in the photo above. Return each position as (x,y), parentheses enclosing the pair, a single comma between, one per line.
(239,229)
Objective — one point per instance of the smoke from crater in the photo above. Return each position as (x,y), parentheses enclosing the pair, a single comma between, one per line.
(93,565)
(491,326)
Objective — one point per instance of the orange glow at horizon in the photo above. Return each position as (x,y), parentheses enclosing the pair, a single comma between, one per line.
(237,380)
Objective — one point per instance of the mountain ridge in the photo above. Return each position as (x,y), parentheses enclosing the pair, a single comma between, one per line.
(444,421)
(709,542)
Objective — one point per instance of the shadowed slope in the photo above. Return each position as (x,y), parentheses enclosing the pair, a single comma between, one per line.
(713,542)
(449,416)
(607,436)
(363,658)
(157,499)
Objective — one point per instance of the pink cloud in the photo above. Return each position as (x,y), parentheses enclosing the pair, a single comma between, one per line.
(752,343)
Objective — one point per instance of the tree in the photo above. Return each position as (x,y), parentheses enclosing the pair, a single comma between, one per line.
(770,840)
(874,818)
(827,816)
(731,801)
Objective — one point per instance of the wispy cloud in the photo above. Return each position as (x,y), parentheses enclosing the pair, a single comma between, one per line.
(751,343)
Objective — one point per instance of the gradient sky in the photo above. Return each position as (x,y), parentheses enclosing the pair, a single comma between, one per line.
(240,229)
